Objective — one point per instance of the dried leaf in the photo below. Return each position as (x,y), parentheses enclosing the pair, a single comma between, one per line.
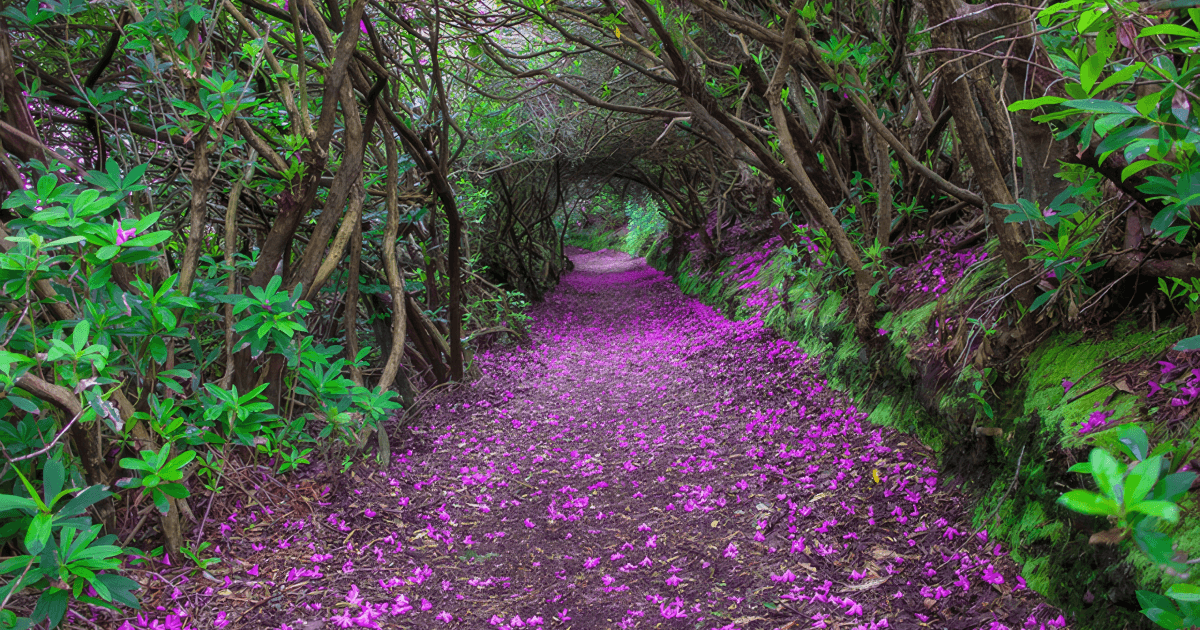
(1108,537)
(882,553)
(867,584)
(1127,34)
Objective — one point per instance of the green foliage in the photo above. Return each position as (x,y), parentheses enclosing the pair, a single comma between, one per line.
(980,381)
(1155,130)
(1065,252)
(161,475)
(62,550)
(1138,497)
(643,222)
(145,338)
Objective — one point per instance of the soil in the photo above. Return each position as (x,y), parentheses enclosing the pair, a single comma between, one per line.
(643,463)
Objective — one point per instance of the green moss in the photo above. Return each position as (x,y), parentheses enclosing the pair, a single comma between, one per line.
(593,240)
(1072,356)
(903,414)
(1037,576)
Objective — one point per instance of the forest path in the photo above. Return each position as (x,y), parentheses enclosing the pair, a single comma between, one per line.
(645,464)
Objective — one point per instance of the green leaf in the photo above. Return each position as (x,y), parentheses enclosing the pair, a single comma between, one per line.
(1184,592)
(1191,343)
(1160,610)
(149,240)
(1081,467)
(1099,106)
(1107,123)
(179,491)
(79,337)
(121,589)
(179,462)
(158,349)
(52,605)
(1090,70)
(66,240)
(90,496)
(1033,103)
(1165,510)
(1088,503)
(53,477)
(135,464)
(1168,29)
(1041,300)
(1141,479)
(24,404)
(1173,486)
(10,502)
(1120,76)
(1137,167)
(45,187)
(160,501)
(12,564)
(107,252)
(1106,471)
(1134,437)
(38,533)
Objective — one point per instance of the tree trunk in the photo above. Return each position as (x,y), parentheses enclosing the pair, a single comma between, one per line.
(974,141)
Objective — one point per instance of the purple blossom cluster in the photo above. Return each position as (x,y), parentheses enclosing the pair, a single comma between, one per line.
(934,274)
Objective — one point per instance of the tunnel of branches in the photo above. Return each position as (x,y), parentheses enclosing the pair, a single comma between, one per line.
(414,169)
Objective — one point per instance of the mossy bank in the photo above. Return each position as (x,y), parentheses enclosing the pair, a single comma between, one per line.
(1035,416)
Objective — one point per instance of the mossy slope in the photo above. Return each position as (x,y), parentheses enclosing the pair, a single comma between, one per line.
(896,388)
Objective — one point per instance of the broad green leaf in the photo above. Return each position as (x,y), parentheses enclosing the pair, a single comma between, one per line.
(83,500)
(1081,467)
(1191,343)
(1149,103)
(135,464)
(1138,167)
(1160,610)
(79,337)
(10,502)
(38,533)
(1099,106)
(1141,479)
(1168,29)
(1184,592)
(1107,123)
(1106,471)
(107,252)
(179,491)
(1134,438)
(149,240)
(1087,502)
(1090,70)
(1034,103)
(53,477)
(45,187)
(1173,486)
(1120,76)
(1165,510)
(14,563)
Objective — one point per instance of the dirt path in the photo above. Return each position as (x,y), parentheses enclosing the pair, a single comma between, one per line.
(647,464)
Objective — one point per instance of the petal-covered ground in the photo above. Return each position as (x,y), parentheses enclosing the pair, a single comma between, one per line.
(645,464)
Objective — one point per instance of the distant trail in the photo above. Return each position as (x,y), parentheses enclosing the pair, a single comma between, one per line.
(649,464)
